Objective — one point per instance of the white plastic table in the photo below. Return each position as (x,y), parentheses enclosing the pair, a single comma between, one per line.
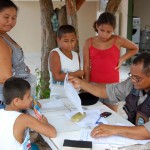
(66,129)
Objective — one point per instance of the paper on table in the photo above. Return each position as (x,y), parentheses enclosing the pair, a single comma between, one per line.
(53,105)
(118,141)
(89,120)
(72,94)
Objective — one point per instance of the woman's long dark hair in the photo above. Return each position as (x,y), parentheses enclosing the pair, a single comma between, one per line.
(105,18)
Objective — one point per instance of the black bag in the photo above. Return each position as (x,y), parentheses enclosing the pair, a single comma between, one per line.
(88,99)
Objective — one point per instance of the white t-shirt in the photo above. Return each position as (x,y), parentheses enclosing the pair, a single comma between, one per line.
(67,65)
(7,139)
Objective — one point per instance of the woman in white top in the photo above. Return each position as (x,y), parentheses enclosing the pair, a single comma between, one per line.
(63,60)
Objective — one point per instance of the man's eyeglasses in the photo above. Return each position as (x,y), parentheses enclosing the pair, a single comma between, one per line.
(137,79)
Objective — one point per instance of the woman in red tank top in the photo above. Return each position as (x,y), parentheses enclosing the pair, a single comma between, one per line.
(101,53)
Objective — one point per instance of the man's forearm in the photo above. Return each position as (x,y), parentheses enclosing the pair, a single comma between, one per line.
(98,90)
(136,132)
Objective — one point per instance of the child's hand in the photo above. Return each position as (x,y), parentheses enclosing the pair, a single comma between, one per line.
(32,105)
(81,73)
(44,119)
(78,73)
(119,64)
(39,104)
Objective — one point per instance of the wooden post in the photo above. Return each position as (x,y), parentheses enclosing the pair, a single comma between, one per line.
(112,6)
(48,37)
(79,3)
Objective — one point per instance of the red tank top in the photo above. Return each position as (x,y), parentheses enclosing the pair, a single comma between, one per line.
(103,63)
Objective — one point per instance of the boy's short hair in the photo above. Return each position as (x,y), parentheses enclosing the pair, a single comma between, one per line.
(65,29)
(14,88)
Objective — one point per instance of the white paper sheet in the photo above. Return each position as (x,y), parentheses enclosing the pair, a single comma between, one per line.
(117,141)
(72,94)
(89,120)
(53,105)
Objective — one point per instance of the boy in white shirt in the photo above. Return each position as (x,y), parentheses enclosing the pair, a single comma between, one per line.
(14,124)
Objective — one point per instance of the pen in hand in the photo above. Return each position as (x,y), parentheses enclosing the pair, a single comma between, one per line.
(37,109)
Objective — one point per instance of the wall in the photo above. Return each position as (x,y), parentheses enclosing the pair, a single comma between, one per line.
(27,32)
(142,9)
(86,18)
(123,9)
(28,29)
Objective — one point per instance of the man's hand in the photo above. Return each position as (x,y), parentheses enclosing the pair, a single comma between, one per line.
(75,81)
(98,90)
(133,132)
(103,130)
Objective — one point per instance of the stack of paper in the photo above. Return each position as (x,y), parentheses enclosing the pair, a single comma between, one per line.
(117,141)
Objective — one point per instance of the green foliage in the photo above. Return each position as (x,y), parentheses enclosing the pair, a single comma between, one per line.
(40,83)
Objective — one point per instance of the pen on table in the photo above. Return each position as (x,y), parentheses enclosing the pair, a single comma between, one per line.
(97,122)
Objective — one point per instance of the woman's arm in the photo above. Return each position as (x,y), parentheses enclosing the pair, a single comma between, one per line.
(86,58)
(131,47)
(5,61)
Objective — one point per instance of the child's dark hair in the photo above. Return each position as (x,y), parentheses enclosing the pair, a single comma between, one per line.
(105,18)
(14,88)
(7,4)
(65,29)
